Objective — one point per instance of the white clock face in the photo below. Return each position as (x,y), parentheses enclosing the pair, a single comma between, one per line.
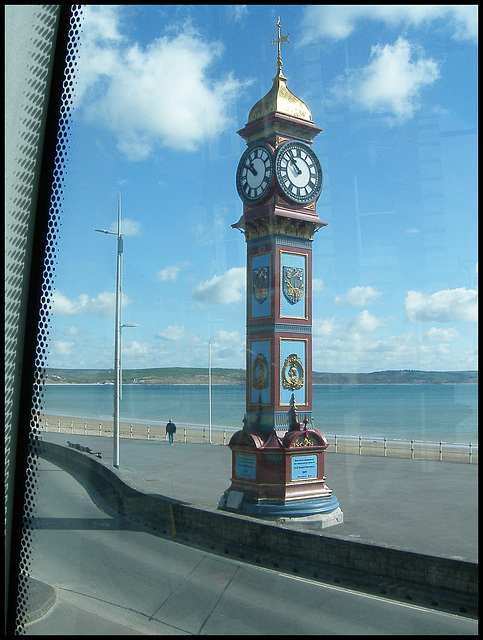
(255,172)
(298,172)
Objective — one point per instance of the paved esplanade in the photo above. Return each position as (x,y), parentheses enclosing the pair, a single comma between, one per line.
(424,506)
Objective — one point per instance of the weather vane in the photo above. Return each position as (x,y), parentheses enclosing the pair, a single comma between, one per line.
(280,40)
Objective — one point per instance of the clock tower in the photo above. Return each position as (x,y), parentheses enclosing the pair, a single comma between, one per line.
(278,456)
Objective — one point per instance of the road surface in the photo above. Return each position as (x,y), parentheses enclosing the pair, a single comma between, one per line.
(112,577)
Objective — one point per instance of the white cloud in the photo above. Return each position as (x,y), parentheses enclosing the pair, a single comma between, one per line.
(72,331)
(317,284)
(98,51)
(337,22)
(237,11)
(225,289)
(134,351)
(358,296)
(363,322)
(224,337)
(465,21)
(102,305)
(440,335)
(100,23)
(448,305)
(172,333)
(61,348)
(324,328)
(171,273)
(128,228)
(357,352)
(391,82)
(162,95)
(228,349)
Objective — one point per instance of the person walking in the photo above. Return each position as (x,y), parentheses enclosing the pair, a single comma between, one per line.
(170,430)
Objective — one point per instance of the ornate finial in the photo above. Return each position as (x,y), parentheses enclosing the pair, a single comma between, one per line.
(294,424)
(280,99)
(280,40)
(245,422)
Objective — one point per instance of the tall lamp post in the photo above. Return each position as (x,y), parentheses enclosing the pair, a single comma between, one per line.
(209,388)
(117,333)
(128,324)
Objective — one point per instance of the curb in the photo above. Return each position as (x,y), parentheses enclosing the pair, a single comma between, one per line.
(40,599)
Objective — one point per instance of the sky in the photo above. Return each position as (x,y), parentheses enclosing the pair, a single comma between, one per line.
(161,91)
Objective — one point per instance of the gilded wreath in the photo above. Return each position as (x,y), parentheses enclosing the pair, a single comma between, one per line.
(293,373)
(260,372)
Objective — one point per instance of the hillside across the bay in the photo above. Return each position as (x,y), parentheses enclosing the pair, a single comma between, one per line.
(182,375)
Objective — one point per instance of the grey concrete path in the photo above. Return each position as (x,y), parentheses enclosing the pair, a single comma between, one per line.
(113,577)
(424,506)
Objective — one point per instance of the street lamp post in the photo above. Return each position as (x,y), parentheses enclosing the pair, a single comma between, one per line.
(117,341)
(117,333)
(209,388)
(128,324)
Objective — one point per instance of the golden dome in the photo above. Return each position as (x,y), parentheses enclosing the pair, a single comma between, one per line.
(281,100)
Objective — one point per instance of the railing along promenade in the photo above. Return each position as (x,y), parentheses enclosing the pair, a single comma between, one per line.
(358,445)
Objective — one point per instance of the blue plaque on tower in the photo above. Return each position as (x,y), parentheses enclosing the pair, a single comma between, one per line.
(304,467)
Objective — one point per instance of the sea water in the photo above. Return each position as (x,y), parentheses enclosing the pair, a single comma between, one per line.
(428,412)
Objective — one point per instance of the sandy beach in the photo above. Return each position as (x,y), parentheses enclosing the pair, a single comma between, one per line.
(445,452)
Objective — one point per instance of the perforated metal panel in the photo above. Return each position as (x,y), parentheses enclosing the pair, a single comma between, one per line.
(31,37)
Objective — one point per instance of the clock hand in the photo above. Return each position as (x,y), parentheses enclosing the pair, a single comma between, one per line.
(251,168)
(299,171)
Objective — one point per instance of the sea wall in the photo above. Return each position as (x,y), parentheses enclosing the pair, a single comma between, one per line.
(441,581)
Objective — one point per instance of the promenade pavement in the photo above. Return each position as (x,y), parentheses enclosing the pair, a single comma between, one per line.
(427,507)
(424,506)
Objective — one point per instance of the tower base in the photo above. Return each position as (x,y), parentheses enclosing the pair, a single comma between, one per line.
(279,477)
(317,513)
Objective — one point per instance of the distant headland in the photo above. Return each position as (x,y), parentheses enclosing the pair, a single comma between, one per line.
(189,375)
